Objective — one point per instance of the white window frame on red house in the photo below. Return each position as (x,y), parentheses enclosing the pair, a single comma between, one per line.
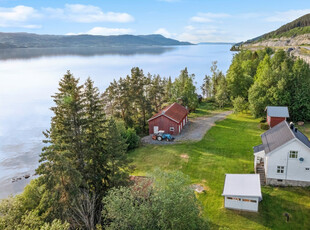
(171,129)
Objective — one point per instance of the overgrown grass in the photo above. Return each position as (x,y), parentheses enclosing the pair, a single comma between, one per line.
(207,109)
(227,148)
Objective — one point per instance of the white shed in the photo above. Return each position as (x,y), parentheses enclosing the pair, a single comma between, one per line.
(242,191)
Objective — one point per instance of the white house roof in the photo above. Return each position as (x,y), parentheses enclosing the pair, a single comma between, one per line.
(277,111)
(247,185)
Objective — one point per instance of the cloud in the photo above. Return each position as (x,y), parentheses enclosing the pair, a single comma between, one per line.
(105,31)
(287,16)
(87,14)
(163,32)
(202,34)
(18,16)
(208,17)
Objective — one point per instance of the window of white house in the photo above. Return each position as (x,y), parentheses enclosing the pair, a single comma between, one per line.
(280,169)
(294,154)
(171,129)
(307,169)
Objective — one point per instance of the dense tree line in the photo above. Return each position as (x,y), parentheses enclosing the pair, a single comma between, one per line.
(135,98)
(256,79)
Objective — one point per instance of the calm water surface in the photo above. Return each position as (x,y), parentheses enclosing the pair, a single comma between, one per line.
(28,78)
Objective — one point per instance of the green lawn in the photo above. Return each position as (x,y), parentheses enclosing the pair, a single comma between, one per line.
(227,148)
(207,109)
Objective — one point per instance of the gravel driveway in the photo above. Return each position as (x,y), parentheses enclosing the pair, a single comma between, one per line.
(194,130)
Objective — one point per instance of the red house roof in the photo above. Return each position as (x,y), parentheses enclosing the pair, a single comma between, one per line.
(175,112)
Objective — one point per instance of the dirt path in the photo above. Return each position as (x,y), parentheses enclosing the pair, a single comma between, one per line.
(193,131)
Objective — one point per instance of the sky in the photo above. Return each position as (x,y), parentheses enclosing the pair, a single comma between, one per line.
(185,20)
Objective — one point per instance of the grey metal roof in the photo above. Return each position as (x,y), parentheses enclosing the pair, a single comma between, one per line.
(277,136)
(258,148)
(277,111)
(300,136)
(247,185)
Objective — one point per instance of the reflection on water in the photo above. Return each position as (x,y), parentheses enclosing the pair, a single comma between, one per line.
(26,53)
(26,86)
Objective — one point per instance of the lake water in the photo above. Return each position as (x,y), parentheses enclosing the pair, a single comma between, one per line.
(28,78)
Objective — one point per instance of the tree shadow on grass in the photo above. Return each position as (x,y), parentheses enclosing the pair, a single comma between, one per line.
(273,212)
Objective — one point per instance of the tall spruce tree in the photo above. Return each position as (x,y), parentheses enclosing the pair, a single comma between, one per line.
(62,161)
(86,156)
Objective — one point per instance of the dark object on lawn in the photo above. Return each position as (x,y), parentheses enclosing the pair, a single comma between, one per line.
(287,215)
(263,120)
(162,136)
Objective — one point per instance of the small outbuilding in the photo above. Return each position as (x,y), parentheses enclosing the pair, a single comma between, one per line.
(171,120)
(242,192)
(276,114)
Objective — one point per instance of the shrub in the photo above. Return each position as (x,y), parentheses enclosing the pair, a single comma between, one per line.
(239,104)
(264,126)
(132,139)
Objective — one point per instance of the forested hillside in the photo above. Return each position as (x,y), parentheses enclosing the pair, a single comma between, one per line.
(27,40)
(293,37)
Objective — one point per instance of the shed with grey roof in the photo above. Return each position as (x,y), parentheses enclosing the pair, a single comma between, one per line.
(276,114)
(242,191)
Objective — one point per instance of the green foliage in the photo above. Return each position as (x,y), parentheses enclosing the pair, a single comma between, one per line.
(130,135)
(85,152)
(264,126)
(137,97)
(168,203)
(265,78)
(240,75)
(23,211)
(134,98)
(206,87)
(132,139)
(56,225)
(239,104)
(297,27)
(184,89)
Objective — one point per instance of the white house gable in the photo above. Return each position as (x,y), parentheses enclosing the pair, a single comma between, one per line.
(290,162)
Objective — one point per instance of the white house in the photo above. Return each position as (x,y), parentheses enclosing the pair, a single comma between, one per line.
(242,192)
(284,156)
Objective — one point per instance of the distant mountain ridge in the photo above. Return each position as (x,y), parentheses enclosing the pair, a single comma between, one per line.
(30,40)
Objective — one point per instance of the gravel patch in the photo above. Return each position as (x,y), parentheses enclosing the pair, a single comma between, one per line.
(194,130)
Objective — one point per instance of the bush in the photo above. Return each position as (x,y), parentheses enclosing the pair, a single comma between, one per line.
(130,135)
(264,126)
(132,139)
(239,104)
(169,203)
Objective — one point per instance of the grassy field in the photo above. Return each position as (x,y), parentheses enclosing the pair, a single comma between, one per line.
(227,148)
(207,109)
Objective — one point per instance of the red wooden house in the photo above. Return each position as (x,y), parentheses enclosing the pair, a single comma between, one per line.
(276,114)
(171,119)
